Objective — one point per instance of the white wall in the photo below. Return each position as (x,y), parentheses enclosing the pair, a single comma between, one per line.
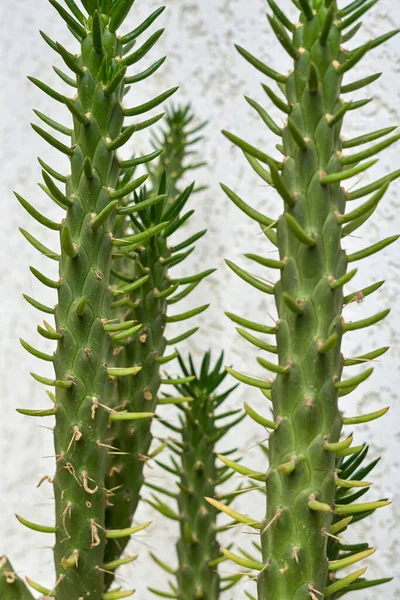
(199,41)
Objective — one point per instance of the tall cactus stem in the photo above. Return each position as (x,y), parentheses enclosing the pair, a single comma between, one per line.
(305,444)
(84,382)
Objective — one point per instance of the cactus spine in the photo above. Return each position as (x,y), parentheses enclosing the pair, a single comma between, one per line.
(149,307)
(309,296)
(195,466)
(82,377)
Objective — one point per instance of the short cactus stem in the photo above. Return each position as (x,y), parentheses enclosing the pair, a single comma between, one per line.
(198,435)
(138,394)
(181,133)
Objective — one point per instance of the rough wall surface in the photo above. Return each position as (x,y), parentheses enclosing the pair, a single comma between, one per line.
(199,42)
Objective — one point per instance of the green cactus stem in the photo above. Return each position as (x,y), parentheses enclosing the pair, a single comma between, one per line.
(194,463)
(149,307)
(82,378)
(307,382)
(11,586)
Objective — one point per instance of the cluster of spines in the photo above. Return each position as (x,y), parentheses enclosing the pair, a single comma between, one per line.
(82,403)
(306,422)
(194,465)
(145,290)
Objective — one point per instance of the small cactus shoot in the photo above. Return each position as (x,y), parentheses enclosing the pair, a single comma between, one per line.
(198,475)
(179,137)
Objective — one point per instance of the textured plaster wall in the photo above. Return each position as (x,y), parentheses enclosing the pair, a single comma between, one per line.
(199,42)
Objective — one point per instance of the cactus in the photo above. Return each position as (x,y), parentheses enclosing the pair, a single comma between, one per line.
(307,423)
(11,586)
(198,478)
(83,380)
(148,309)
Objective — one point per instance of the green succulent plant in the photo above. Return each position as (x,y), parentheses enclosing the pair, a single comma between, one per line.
(194,465)
(352,471)
(313,268)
